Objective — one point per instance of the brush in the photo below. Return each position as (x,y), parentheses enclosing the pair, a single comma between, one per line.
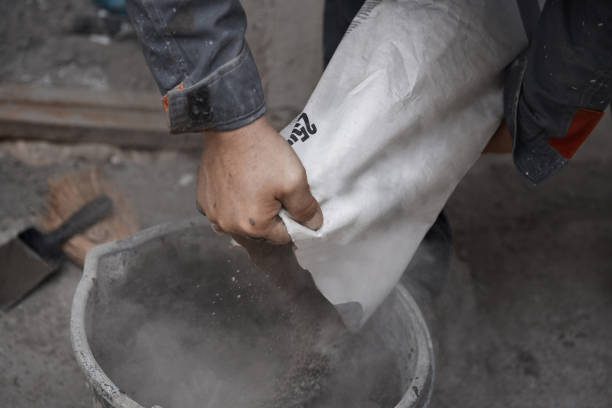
(70,191)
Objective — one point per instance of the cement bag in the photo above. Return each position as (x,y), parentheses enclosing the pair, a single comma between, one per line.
(403,110)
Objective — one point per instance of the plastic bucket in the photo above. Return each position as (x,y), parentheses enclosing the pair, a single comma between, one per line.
(174,270)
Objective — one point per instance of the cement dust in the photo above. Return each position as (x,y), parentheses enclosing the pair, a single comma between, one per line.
(234,340)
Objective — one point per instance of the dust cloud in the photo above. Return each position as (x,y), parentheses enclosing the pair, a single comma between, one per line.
(192,338)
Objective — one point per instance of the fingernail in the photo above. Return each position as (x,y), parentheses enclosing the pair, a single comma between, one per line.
(316,221)
(200,209)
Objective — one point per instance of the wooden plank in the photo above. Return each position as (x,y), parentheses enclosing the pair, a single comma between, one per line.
(128,119)
(74,96)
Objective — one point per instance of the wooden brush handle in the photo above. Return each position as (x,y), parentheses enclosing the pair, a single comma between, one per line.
(85,217)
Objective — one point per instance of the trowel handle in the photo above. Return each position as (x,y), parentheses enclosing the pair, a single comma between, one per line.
(83,218)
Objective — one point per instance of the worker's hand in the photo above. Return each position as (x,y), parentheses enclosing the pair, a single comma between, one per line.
(246,176)
(501,142)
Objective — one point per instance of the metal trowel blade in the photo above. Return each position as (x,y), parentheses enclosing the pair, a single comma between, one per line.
(22,270)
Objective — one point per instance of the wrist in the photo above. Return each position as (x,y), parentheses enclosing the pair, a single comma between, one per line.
(248,129)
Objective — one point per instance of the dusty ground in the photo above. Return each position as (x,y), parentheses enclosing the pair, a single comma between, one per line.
(524,320)
(39,45)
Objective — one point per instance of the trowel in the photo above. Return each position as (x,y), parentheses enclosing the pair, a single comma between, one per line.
(32,255)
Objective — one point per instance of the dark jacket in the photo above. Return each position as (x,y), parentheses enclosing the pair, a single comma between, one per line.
(557,89)
(555,92)
(200,60)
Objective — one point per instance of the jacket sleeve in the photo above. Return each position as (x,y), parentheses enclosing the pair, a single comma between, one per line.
(557,91)
(201,62)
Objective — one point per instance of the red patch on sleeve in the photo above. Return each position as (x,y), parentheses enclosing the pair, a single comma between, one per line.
(583,123)
(165,97)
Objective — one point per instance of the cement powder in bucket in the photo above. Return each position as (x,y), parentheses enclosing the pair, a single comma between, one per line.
(216,333)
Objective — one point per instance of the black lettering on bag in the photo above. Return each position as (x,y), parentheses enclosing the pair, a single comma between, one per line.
(302,130)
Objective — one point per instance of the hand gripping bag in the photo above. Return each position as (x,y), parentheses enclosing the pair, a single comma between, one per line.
(403,110)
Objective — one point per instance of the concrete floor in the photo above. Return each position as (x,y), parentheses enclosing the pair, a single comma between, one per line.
(523,321)
(37,368)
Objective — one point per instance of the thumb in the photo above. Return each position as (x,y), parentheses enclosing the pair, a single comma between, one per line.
(303,207)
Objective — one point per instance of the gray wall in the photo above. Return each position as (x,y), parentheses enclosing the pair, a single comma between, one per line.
(286,39)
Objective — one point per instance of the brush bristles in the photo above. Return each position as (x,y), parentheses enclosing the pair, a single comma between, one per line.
(69,192)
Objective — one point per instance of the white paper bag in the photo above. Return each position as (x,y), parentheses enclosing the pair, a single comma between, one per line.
(404,109)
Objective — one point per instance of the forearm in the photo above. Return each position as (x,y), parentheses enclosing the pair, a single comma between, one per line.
(201,62)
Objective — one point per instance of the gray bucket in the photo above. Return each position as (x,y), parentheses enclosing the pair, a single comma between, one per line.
(175,269)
